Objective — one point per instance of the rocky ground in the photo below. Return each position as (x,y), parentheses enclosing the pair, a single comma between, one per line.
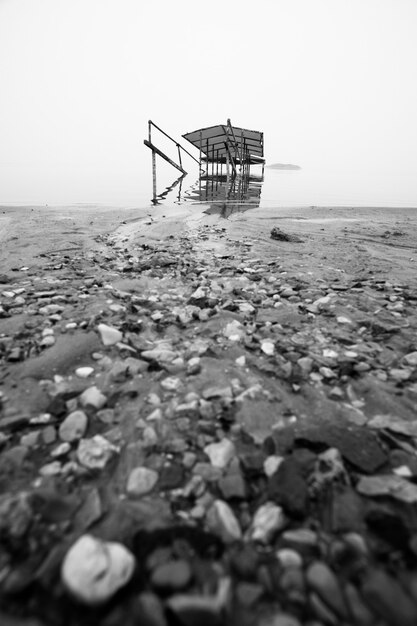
(204,424)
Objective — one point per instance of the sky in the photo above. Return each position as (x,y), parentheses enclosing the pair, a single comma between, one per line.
(331,83)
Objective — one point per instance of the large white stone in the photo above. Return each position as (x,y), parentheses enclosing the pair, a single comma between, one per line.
(109,335)
(94,570)
(73,427)
(221,453)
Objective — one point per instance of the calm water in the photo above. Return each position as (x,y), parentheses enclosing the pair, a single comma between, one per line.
(309,186)
(304,187)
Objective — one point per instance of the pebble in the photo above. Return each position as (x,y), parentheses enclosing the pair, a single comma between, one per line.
(268,347)
(222,521)
(95,453)
(411,359)
(51,469)
(271,464)
(141,481)
(61,450)
(73,427)
(221,453)
(93,398)
(323,581)
(84,372)
(268,520)
(173,576)
(109,335)
(289,558)
(93,570)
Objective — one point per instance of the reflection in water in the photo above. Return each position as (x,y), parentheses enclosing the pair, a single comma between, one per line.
(156,199)
(224,193)
(227,195)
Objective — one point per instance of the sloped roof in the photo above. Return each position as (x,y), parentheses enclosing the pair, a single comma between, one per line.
(216,137)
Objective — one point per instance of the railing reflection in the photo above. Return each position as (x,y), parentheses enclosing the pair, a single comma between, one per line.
(224,193)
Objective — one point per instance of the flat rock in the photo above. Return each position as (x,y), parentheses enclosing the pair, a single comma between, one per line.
(388,485)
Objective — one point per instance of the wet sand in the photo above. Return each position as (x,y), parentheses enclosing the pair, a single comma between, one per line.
(352,240)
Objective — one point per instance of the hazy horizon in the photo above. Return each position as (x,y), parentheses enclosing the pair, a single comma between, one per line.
(329,82)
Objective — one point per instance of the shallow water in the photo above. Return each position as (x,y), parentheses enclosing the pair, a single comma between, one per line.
(296,188)
(312,185)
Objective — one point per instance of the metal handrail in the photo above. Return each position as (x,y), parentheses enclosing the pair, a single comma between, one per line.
(150,122)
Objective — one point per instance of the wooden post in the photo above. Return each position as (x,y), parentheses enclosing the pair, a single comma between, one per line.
(154,175)
(201,146)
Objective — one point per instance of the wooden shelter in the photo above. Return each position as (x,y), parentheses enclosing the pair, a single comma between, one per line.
(228,144)
(218,145)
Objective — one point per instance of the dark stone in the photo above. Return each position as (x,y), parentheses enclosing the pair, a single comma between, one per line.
(288,488)
(358,445)
(52,506)
(389,527)
(14,422)
(305,459)
(280,442)
(252,462)
(244,561)
(205,544)
(345,510)
(279,235)
(171,477)
(232,486)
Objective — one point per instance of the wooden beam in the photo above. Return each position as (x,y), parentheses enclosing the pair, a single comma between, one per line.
(164,156)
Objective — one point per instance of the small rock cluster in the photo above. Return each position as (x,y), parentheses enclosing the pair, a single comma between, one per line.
(189,437)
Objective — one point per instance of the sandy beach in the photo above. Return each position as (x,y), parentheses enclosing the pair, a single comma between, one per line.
(214,401)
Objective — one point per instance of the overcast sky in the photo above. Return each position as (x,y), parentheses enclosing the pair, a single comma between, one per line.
(332,83)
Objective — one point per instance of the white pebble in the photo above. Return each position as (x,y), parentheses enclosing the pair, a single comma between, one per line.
(84,372)
(92,397)
(141,481)
(271,464)
(268,520)
(222,521)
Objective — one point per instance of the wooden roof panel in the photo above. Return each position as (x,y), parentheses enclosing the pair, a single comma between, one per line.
(215,137)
